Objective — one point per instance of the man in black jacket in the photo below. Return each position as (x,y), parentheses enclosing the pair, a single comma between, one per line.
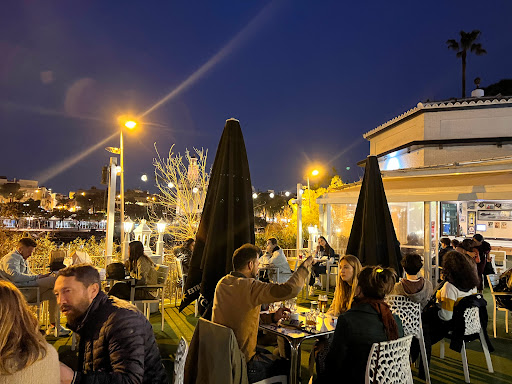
(117,344)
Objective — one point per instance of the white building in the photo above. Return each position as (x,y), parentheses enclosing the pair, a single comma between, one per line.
(447,172)
(31,190)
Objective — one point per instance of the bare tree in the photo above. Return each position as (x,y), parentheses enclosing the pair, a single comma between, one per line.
(183,183)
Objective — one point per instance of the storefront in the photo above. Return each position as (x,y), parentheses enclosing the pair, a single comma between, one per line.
(428,203)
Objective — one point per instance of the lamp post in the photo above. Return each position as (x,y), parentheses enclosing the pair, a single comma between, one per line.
(314,172)
(127,228)
(160,226)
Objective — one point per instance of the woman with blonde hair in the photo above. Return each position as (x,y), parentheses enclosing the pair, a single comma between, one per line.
(346,283)
(25,356)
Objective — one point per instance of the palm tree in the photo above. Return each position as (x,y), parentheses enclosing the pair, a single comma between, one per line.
(466,43)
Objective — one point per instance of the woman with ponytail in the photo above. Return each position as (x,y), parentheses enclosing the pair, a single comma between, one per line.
(369,320)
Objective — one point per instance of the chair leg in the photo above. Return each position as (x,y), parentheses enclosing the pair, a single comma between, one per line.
(506,320)
(423,351)
(486,352)
(464,362)
(494,320)
(441,349)
(162,311)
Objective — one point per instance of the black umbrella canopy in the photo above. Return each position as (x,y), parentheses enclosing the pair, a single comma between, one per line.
(372,238)
(227,221)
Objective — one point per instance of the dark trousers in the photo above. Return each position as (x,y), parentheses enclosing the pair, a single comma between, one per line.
(264,365)
(317,270)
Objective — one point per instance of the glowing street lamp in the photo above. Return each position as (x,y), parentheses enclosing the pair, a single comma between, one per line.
(170,185)
(144,178)
(254,195)
(127,228)
(160,227)
(271,195)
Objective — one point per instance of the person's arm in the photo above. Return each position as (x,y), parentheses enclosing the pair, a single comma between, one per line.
(447,297)
(126,350)
(264,293)
(12,269)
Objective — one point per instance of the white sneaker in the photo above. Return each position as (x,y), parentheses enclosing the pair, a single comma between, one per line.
(62,331)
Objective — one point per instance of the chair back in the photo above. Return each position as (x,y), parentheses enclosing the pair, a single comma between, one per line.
(163,273)
(499,257)
(408,311)
(493,281)
(388,362)
(179,361)
(472,321)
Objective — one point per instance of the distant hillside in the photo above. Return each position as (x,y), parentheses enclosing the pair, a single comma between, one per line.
(503,87)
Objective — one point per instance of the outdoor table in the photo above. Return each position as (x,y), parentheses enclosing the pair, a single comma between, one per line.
(295,337)
(270,268)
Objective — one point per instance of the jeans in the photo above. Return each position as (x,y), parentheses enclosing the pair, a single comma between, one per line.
(264,365)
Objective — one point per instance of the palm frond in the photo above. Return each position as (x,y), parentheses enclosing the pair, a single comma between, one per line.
(477,49)
(453,44)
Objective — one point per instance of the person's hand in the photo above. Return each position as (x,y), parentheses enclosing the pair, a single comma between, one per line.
(308,262)
(66,374)
(281,313)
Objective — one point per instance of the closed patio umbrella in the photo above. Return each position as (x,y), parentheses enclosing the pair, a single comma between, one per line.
(372,238)
(227,220)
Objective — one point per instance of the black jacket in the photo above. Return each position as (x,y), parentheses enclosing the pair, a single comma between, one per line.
(457,322)
(117,345)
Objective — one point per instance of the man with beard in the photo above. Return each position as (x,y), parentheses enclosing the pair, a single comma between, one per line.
(237,304)
(116,340)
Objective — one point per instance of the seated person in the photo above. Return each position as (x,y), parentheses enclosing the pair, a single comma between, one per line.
(505,285)
(25,355)
(368,321)
(346,283)
(14,267)
(236,305)
(142,269)
(323,253)
(414,286)
(460,280)
(274,257)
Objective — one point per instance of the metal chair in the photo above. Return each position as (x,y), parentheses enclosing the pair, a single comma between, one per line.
(409,313)
(163,274)
(493,280)
(179,361)
(499,261)
(472,326)
(388,362)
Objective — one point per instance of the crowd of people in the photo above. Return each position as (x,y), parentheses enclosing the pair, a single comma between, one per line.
(117,343)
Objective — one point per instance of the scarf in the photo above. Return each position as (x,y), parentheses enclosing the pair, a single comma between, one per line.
(385,315)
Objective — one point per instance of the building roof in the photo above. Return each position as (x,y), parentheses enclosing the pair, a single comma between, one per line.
(433,106)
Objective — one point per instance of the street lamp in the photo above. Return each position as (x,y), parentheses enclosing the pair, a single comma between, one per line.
(144,178)
(160,227)
(314,172)
(127,228)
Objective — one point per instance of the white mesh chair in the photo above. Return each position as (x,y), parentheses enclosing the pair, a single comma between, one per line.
(179,361)
(409,313)
(493,280)
(388,362)
(499,261)
(472,326)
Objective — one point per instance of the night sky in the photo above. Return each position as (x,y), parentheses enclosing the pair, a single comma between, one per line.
(305,78)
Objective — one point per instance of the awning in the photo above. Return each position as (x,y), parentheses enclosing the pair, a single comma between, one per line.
(456,186)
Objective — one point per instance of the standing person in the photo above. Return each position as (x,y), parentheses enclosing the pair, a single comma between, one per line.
(184,253)
(323,253)
(117,344)
(414,286)
(484,250)
(236,305)
(274,257)
(14,267)
(142,269)
(461,280)
(25,356)
(446,246)
(368,321)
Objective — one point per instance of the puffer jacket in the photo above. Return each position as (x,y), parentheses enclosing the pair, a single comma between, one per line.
(117,345)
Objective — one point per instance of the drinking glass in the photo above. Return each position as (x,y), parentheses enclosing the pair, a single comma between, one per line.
(322,303)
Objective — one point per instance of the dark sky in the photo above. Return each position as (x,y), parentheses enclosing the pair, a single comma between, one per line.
(305,78)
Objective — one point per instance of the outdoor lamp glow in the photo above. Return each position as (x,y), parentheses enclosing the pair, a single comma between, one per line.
(128,225)
(144,178)
(254,195)
(195,190)
(130,124)
(170,185)
(160,226)
(271,195)
(315,172)
(118,169)
(287,193)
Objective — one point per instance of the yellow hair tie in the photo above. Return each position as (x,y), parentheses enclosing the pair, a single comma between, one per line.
(379,270)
